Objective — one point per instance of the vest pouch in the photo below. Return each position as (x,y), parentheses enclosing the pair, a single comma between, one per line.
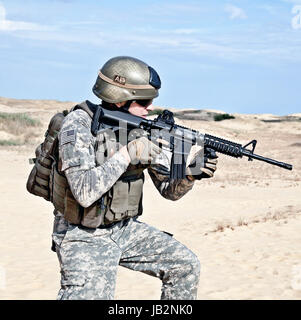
(58,187)
(93,216)
(100,151)
(72,212)
(52,132)
(36,188)
(118,205)
(106,147)
(38,179)
(135,196)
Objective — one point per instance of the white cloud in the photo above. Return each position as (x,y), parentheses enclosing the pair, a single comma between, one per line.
(185,31)
(9,25)
(175,8)
(270,9)
(259,48)
(235,12)
(292,1)
(255,46)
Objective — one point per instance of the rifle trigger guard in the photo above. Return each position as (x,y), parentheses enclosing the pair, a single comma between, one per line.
(253,142)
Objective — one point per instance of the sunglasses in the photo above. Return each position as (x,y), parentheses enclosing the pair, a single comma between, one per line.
(144,102)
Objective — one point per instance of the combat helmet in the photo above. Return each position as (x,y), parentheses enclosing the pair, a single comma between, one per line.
(126,78)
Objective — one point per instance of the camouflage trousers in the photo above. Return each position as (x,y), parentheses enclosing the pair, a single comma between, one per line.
(89,259)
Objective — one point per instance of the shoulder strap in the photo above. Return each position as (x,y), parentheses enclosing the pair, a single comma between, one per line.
(86,106)
(93,110)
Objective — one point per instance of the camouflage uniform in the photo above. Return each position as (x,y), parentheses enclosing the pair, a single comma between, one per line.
(89,257)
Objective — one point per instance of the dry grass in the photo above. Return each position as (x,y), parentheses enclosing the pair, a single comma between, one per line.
(10,143)
(285,213)
(18,128)
(17,123)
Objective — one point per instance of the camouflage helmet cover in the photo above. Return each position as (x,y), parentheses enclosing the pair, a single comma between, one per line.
(125,78)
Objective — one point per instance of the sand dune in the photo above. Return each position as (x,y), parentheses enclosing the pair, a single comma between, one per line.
(244,224)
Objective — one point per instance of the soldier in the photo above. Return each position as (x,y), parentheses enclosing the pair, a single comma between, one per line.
(99,227)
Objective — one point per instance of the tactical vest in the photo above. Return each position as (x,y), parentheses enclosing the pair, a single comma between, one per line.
(122,201)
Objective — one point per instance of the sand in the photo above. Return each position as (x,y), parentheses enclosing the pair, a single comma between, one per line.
(244,224)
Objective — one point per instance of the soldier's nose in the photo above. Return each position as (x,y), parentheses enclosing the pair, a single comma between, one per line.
(150,107)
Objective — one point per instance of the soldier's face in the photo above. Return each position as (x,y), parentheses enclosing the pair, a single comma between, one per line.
(137,109)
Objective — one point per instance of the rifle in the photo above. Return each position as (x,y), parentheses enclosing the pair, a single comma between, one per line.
(178,139)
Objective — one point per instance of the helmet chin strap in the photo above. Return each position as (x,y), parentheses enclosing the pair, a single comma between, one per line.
(127,106)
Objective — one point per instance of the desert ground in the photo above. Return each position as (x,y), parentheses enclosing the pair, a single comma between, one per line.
(244,224)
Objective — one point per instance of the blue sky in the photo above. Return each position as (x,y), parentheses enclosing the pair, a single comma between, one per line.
(237,56)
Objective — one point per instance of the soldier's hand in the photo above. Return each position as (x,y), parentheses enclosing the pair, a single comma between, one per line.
(142,150)
(197,171)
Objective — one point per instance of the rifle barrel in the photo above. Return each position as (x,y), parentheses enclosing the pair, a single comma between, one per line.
(268,160)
